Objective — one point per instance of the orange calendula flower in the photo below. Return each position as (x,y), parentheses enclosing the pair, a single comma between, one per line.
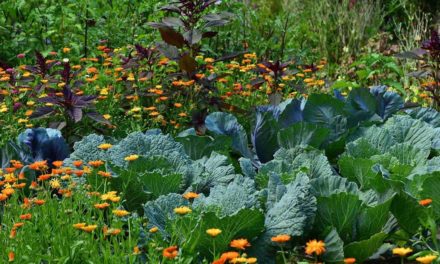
(101,205)
(3,197)
(153,229)
(314,246)
(77,163)
(39,202)
(89,228)
(190,195)
(13,233)
(44,177)
(25,216)
(230,255)
(427,259)
(113,231)
(280,238)
(96,163)
(79,225)
(18,225)
(120,213)
(104,174)
(170,252)
(349,260)
(79,173)
(213,232)
(11,256)
(131,157)
(425,202)
(401,251)
(57,163)
(239,260)
(241,243)
(136,250)
(182,210)
(105,146)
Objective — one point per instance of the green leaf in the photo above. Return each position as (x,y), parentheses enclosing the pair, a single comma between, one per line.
(358,169)
(407,211)
(326,186)
(213,171)
(362,250)
(322,109)
(431,190)
(199,146)
(302,134)
(372,219)
(293,213)
(160,211)
(334,247)
(340,211)
(246,223)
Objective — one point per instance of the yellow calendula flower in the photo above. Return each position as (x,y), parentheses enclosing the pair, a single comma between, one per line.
(213,232)
(105,146)
(401,251)
(427,259)
(55,184)
(89,228)
(154,229)
(182,210)
(79,225)
(131,157)
(120,213)
(190,195)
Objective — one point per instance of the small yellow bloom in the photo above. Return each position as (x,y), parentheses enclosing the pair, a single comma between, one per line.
(89,228)
(55,184)
(401,251)
(213,232)
(190,195)
(105,146)
(251,260)
(154,229)
(426,259)
(79,225)
(131,157)
(182,210)
(66,50)
(120,213)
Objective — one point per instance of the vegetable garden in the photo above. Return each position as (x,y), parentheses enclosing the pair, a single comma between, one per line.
(207,131)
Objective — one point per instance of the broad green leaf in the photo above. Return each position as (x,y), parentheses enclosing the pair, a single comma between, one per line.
(334,247)
(407,211)
(372,219)
(340,211)
(362,250)
(322,109)
(431,190)
(246,223)
(302,134)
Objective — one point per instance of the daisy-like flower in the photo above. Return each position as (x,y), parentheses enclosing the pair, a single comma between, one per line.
(349,260)
(89,228)
(101,205)
(170,252)
(213,232)
(401,251)
(105,146)
(428,259)
(314,246)
(280,238)
(96,163)
(79,225)
(425,202)
(182,210)
(132,157)
(241,243)
(190,195)
(25,216)
(120,213)
(153,229)
(55,184)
